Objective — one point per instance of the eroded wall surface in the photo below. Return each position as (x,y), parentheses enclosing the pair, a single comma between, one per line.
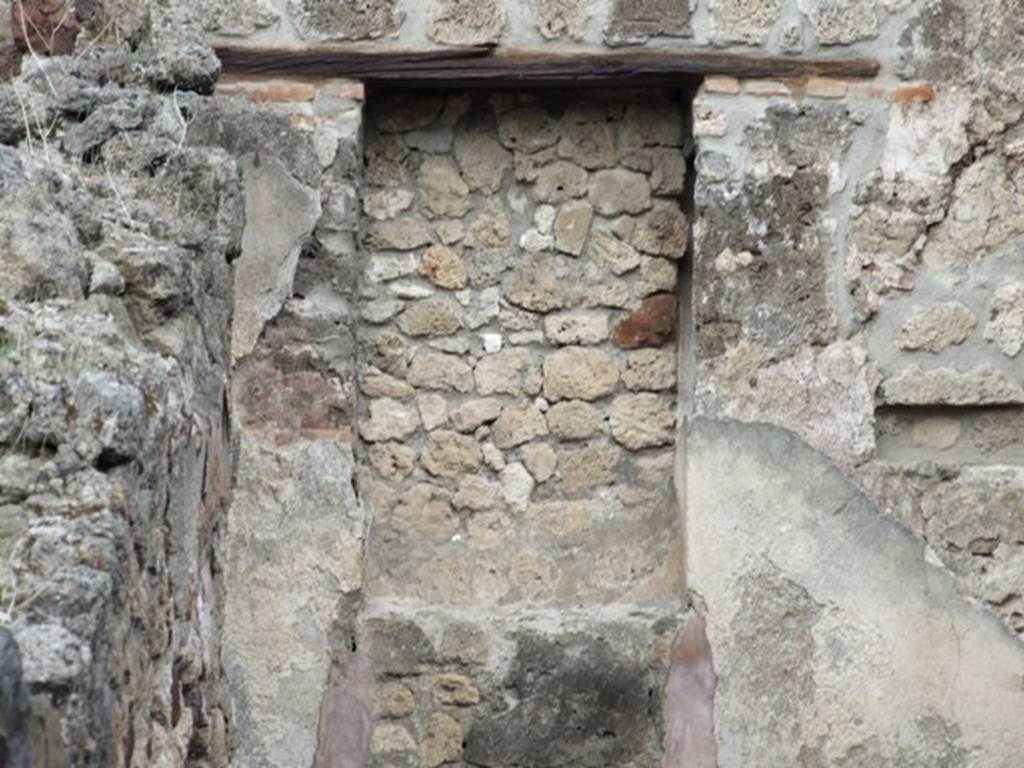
(517,327)
(847,448)
(853,285)
(115,465)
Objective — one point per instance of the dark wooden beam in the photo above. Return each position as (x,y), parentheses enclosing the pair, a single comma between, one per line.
(487,67)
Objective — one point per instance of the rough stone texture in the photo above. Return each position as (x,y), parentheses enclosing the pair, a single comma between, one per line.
(981,385)
(743,21)
(840,22)
(641,421)
(502,434)
(14,704)
(653,324)
(115,456)
(785,625)
(44,26)
(344,21)
(558,18)
(619,191)
(296,509)
(827,215)
(777,297)
(578,372)
(466,22)
(636,21)
(1005,328)
(282,212)
(937,327)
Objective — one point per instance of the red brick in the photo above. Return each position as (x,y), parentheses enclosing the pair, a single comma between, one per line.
(905,94)
(653,324)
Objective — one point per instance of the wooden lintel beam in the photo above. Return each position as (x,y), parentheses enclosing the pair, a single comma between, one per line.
(487,67)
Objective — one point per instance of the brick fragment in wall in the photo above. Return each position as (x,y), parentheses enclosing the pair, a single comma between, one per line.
(653,324)
(44,26)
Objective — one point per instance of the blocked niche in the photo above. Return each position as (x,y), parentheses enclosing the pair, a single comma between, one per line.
(517,419)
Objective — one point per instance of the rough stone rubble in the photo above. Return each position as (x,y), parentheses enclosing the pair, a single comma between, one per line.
(534,488)
(115,469)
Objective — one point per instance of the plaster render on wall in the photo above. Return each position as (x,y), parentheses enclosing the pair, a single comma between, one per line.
(474,315)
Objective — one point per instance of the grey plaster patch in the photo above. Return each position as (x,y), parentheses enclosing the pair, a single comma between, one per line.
(851,599)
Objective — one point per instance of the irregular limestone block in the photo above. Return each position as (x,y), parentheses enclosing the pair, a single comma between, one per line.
(449,454)
(650,369)
(615,255)
(743,21)
(483,161)
(981,385)
(442,192)
(441,371)
(236,17)
(466,22)
(936,327)
(576,328)
(840,22)
(430,317)
(619,191)
(589,466)
(579,373)
(527,129)
(468,416)
(345,21)
(574,420)
(558,18)
(663,231)
(444,267)
(560,181)
(403,234)
(571,227)
(636,21)
(1005,329)
(642,421)
(519,424)
(540,459)
(389,420)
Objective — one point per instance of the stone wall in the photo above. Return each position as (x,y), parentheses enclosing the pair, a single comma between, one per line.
(518,373)
(496,499)
(293,550)
(853,280)
(115,467)
(779,26)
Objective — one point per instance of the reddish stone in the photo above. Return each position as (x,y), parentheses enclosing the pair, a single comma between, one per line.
(652,325)
(293,402)
(906,94)
(44,26)
(688,709)
(343,734)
